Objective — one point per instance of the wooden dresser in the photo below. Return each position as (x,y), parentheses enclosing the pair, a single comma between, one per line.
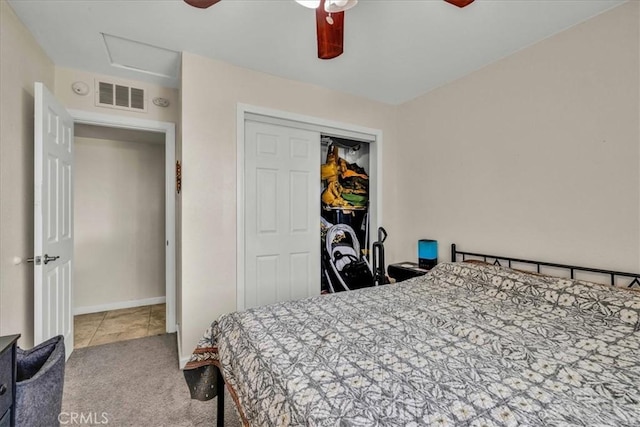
(8,372)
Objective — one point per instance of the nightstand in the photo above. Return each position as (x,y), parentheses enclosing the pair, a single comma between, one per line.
(8,373)
(405,270)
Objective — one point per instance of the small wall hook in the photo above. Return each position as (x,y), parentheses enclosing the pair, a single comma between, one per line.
(178,177)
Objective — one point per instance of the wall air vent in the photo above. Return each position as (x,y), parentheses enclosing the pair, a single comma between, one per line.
(113,95)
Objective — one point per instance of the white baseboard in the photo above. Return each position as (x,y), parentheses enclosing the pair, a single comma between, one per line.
(118,305)
(182,361)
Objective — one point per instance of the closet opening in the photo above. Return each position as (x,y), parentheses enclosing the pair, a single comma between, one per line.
(344,213)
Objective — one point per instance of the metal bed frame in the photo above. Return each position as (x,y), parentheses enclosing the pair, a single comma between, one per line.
(634,278)
(220,389)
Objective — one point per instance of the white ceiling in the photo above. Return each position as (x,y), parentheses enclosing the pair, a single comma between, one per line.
(395,50)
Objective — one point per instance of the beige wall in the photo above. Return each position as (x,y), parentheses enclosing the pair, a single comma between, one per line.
(65,77)
(119,222)
(535,156)
(210,93)
(23,62)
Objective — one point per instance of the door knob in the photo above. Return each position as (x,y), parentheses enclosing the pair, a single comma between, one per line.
(48,258)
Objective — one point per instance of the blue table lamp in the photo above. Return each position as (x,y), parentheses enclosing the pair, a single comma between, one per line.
(427,253)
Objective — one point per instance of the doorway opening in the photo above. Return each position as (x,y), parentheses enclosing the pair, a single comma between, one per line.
(119,228)
(148,147)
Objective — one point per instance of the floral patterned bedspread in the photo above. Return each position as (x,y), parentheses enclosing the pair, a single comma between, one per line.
(467,344)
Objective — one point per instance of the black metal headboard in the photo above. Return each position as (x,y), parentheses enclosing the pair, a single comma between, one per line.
(634,278)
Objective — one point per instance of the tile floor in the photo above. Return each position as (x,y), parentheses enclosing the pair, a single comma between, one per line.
(118,325)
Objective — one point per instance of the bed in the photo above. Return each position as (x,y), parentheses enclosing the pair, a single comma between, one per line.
(470,343)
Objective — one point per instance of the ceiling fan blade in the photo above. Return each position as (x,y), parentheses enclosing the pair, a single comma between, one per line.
(459,3)
(201,4)
(330,33)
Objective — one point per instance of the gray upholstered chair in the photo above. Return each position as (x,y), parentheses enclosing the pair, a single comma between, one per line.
(39,384)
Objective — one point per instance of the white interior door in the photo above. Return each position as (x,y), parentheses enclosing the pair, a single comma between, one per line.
(282,213)
(53,213)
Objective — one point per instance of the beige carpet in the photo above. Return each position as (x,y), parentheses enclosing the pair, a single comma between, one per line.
(134,383)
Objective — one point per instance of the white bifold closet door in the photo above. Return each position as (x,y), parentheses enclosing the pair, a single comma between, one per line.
(282,213)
